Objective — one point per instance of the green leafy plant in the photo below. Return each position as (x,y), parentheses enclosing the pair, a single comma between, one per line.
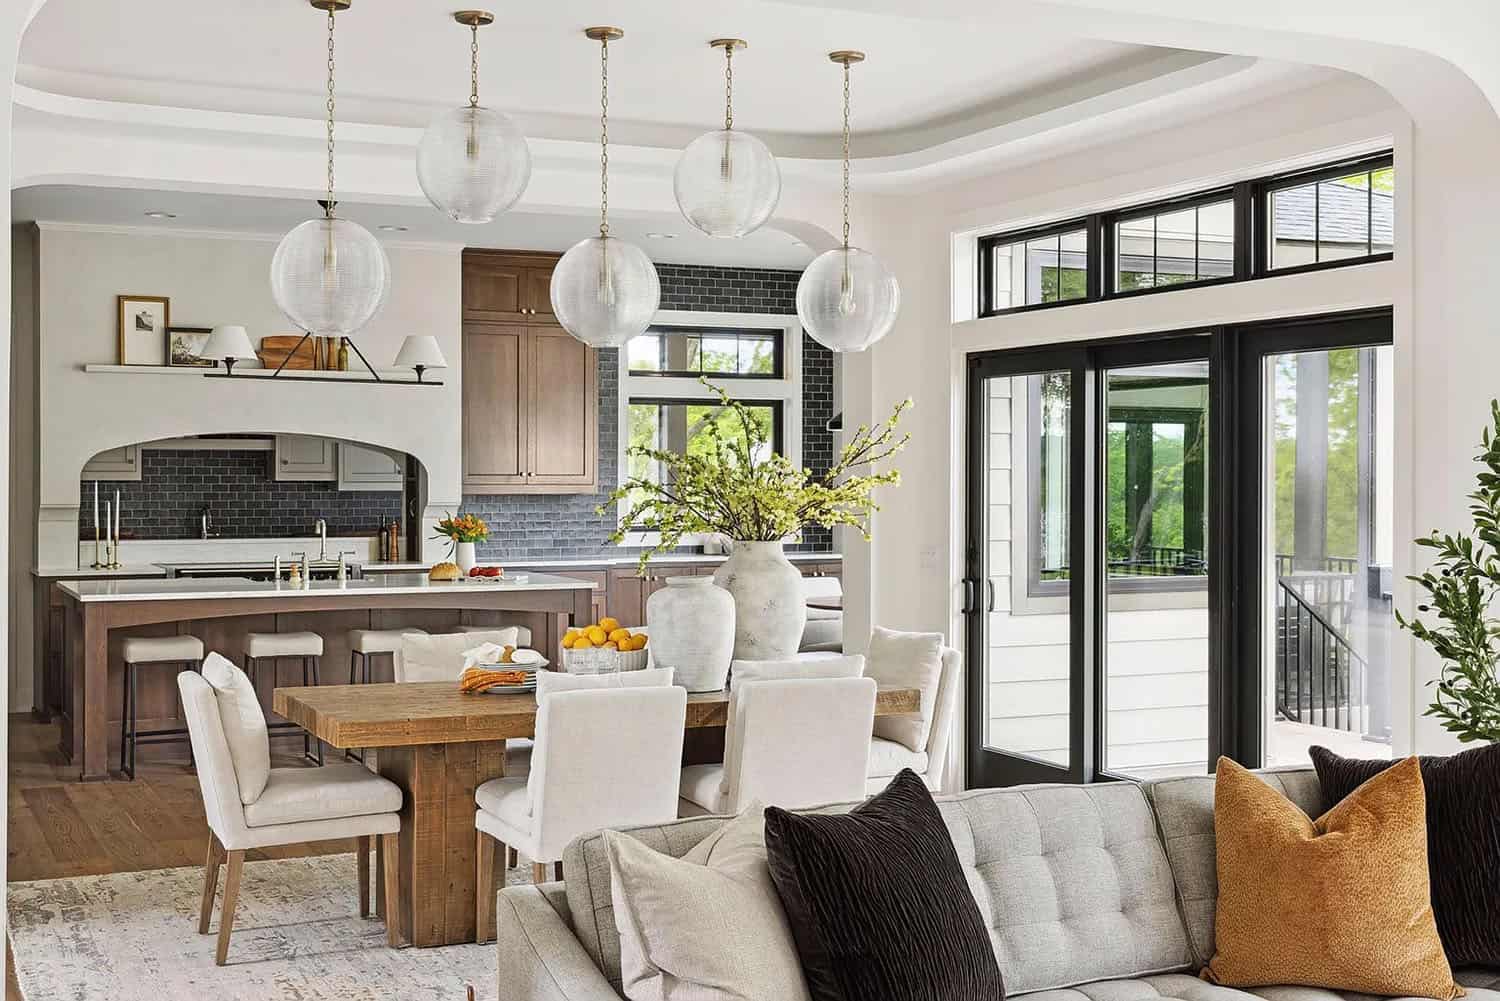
(1462,582)
(733,484)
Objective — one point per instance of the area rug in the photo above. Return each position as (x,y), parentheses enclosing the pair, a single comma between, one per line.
(297,935)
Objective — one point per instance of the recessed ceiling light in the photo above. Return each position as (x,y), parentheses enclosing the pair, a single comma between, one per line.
(661,236)
(392,229)
(158,214)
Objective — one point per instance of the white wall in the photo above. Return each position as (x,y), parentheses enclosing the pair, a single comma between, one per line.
(928,242)
(213,279)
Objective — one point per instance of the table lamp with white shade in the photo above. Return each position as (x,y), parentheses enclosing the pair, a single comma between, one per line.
(420,352)
(228,344)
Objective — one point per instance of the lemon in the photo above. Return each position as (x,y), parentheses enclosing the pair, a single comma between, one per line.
(597,636)
(582,643)
(569,639)
(620,634)
(608,624)
(638,642)
(611,645)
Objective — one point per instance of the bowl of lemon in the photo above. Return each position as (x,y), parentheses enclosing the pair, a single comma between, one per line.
(603,647)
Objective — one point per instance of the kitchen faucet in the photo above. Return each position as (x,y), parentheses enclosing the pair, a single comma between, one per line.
(203,532)
(321,527)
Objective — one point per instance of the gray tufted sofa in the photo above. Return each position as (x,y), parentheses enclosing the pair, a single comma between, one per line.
(1092,893)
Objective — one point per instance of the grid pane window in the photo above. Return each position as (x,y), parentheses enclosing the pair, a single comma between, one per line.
(681,426)
(1175,248)
(1049,268)
(719,352)
(1335,219)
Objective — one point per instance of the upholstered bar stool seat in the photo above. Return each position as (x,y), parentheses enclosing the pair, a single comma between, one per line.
(304,646)
(379,640)
(283,645)
(139,651)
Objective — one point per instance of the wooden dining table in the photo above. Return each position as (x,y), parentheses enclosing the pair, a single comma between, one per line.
(439,745)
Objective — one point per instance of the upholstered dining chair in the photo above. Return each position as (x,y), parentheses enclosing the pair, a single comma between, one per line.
(604,758)
(793,743)
(251,805)
(887,757)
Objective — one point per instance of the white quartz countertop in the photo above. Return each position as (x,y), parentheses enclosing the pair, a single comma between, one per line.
(601,561)
(87,573)
(238,587)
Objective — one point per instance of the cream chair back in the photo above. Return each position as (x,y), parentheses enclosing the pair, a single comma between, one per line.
(944,713)
(211,757)
(800,743)
(440,656)
(605,758)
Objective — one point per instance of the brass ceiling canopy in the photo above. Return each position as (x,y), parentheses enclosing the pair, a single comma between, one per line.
(330,6)
(473,18)
(604,33)
(729,44)
(847,56)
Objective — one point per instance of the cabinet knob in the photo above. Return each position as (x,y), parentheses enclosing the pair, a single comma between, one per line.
(286,462)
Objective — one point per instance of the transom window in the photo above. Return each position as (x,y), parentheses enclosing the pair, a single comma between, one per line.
(1045,267)
(1328,219)
(1175,246)
(719,352)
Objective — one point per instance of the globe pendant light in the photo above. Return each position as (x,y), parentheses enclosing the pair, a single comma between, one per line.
(727,182)
(605,291)
(846,298)
(473,163)
(329,275)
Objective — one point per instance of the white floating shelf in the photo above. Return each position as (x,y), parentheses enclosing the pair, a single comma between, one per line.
(392,375)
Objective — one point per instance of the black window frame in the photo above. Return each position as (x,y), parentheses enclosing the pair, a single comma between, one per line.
(776,334)
(1251,202)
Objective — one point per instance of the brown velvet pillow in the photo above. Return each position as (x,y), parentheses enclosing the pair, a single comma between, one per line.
(1341,902)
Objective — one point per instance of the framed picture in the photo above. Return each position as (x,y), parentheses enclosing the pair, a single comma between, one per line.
(185,347)
(143,323)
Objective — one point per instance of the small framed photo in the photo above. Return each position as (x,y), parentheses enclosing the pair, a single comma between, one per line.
(185,347)
(143,323)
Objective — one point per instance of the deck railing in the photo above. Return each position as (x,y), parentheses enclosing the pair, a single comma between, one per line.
(1320,677)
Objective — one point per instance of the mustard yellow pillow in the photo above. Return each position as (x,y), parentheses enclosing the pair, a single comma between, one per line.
(1341,902)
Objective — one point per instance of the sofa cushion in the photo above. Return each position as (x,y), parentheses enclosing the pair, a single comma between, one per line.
(1463,840)
(1184,987)
(1184,808)
(1342,901)
(878,903)
(1071,881)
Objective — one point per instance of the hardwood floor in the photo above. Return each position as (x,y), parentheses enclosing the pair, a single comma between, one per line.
(62,827)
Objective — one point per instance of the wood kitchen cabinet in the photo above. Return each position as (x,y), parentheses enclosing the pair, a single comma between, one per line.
(530,391)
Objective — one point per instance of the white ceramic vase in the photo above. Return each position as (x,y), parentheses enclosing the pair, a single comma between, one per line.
(770,609)
(691,622)
(464,556)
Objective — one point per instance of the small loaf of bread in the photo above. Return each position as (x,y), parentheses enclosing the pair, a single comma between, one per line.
(444,571)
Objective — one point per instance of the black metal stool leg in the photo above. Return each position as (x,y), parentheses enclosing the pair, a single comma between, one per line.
(125,711)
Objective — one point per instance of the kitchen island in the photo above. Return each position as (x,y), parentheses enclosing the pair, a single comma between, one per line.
(220,611)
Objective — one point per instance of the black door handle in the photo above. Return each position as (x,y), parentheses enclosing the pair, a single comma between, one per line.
(989,586)
(968,605)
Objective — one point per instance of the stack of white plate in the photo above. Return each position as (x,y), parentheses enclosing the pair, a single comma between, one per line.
(529,685)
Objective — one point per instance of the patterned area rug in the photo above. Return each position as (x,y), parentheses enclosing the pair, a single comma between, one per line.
(297,935)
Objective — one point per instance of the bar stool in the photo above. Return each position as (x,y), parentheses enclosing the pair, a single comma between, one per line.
(141,651)
(305,646)
(364,643)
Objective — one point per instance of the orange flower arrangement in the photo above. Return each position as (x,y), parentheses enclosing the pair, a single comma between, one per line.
(464,528)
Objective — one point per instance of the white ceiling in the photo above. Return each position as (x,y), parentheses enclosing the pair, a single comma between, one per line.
(667,239)
(399,60)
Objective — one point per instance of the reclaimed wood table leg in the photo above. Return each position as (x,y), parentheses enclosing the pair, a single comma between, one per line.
(94,710)
(436,860)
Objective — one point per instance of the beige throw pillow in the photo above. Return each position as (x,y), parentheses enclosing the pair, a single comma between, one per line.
(244,725)
(705,927)
(906,660)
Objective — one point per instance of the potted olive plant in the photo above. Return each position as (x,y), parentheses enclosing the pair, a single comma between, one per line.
(1460,586)
(732,483)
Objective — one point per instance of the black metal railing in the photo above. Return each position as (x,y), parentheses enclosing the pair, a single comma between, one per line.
(1320,678)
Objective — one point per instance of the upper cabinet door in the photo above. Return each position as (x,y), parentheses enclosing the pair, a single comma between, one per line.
(494,407)
(364,467)
(299,457)
(539,294)
(123,463)
(564,412)
(494,289)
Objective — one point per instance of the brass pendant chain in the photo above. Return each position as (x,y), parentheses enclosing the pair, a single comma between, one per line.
(474,66)
(846,155)
(729,87)
(328,205)
(604,138)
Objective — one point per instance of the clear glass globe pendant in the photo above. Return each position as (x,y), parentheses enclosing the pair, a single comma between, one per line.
(604,290)
(473,163)
(727,182)
(330,276)
(846,299)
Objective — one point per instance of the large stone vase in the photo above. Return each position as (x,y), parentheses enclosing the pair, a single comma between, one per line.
(770,608)
(691,623)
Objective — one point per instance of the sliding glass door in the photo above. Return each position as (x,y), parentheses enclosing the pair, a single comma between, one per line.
(1178,547)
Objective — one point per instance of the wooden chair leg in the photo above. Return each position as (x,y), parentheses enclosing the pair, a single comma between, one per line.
(379,877)
(362,852)
(236,862)
(539,872)
(512,858)
(393,936)
(210,883)
(484,886)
